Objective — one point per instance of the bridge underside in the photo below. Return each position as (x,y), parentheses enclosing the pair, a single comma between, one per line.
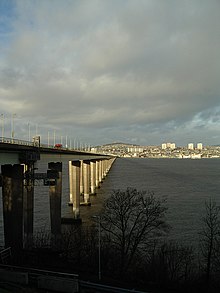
(18,176)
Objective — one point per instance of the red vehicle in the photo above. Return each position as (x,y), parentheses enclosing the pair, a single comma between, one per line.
(58,145)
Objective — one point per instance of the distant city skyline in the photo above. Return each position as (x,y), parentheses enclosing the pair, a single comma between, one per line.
(98,71)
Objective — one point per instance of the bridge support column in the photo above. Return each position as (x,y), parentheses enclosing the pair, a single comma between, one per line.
(71,182)
(74,172)
(81,178)
(86,180)
(108,165)
(55,193)
(100,171)
(105,168)
(93,176)
(28,205)
(97,174)
(12,193)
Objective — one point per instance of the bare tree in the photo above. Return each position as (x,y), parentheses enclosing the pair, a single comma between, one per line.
(130,220)
(172,263)
(210,236)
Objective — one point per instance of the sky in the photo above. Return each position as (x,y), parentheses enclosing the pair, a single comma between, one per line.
(101,71)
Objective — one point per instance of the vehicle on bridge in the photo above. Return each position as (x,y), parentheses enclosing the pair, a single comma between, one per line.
(58,145)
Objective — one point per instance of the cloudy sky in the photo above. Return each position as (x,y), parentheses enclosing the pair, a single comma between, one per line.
(103,71)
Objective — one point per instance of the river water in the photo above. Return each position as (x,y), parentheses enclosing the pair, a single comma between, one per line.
(185,183)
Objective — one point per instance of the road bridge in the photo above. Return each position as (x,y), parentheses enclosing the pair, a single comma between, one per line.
(18,160)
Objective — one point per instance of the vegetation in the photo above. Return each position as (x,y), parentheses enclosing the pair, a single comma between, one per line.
(210,240)
(130,220)
(132,249)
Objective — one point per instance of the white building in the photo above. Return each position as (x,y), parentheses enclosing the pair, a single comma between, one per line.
(199,146)
(135,150)
(190,146)
(168,145)
(172,145)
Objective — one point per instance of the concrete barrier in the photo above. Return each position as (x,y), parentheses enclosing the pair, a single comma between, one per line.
(14,277)
(58,284)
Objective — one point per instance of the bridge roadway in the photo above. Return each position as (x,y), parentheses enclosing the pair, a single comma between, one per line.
(18,162)
(10,153)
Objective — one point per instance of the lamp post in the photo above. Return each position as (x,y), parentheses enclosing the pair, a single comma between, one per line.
(12,127)
(29,132)
(99,247)
(2,117)
(48,139)
(54,137)
(66,141)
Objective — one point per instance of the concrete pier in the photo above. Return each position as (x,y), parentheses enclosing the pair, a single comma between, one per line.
(86,181)
(81,178)
(12,194)
(93,176)
(97,174)
(28,199)
(100,171)
(74,181)
(71,182)
(55,192)
(105,168)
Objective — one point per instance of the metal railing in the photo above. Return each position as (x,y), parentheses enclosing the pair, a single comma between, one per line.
(15,141)
(42,279)
(5,255)
(8,140)
(34,275)
(105,288)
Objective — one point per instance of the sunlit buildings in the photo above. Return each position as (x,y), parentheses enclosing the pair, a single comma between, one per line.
(190,146)
(199,146)
(168,145)
(135,149)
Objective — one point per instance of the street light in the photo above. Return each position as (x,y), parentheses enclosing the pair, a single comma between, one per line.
(12,126)
(2,117)
(29,132)
(54,137)
(48,139)
(99,222)
(66,142)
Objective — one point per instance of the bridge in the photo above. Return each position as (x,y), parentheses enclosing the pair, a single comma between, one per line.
(19,159)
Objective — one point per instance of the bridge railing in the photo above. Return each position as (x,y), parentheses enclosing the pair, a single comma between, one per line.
(25,142)
(15,141)
(32,143)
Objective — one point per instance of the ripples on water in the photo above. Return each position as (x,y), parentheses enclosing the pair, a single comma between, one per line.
(186,184)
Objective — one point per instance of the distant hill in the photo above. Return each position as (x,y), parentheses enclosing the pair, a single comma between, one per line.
(118,144)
